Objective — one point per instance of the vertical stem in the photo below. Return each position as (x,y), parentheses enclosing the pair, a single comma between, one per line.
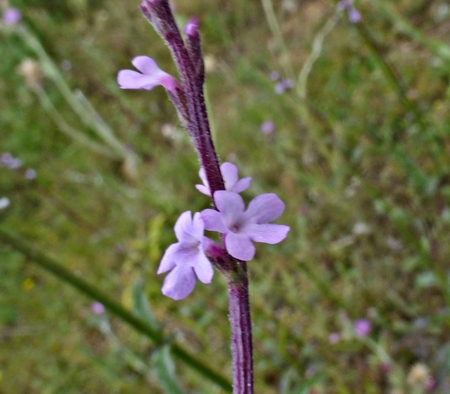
(241,331)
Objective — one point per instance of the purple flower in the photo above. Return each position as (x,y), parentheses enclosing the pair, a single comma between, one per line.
(334,337)
(30,173)
(7,160)
(150,76)
(97,308)
(362,327)
(241,227)
(267,127)
(274,76)
(354,16)
(186,259)
(283,85)
(230,176)
(11,16)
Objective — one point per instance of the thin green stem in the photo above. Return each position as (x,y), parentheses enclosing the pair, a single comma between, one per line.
(79,103)
(276,32)
(58,270)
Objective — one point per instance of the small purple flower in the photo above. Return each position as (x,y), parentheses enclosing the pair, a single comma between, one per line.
(7,160)
(354,16)
(186,259)
(97,308)
(283,85)
(334,337)
(267,127)
(150,76)
(230,176)
(241,227)
(431,384)
(11,16)
(274,76)
(362,327)
(30,173)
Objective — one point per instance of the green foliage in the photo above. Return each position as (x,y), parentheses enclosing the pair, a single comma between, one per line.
(359,155)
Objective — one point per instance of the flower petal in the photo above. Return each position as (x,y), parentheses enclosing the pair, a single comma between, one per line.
(203,189)
(267,233)
(213,221)
(230,175)
(128,79)
(239,246)
(169,259)
(230,205)
(203,268)
(202,175)
(198,227)
(146,65)
(183,226)
(151,76)
(241,185)
(180,282)
(264,208)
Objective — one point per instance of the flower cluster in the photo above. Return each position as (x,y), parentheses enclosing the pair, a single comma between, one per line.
(7,160)
(239,227)
(190,258)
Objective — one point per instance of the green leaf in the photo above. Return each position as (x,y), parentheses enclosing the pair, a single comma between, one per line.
(164,369)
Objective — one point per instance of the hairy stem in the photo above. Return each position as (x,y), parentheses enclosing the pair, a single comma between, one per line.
(241,331)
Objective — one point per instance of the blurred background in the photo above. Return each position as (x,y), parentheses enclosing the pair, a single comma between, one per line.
(342,109)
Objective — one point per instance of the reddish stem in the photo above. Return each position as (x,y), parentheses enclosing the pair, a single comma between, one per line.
(241,331)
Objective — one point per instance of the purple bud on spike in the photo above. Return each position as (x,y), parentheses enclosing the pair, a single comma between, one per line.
(191,28)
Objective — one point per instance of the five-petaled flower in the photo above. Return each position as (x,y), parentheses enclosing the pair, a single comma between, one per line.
(150,76)
(186,259)
(241,226)
(230,177)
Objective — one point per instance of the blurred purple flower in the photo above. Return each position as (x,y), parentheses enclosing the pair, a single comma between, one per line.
(274,76)
(241,227)
(30,173)
(7,160)
(4,202)
(334,337)
(97,308)
(267,127)
(431,384)
(186,259)
(11,16)
(354,16)
(150,76)
(230,176)
(283,85)
(362,327)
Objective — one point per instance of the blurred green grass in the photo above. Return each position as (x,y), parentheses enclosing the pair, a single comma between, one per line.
(362,164)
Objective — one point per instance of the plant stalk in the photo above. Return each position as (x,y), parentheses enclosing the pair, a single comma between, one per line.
(241,331)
